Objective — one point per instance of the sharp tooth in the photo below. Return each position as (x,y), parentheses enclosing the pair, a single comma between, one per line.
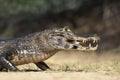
(83,41)
(94,41)
(89,45)
(94,48)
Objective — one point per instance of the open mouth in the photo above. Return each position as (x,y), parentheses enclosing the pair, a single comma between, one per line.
(90,43)
(81,43)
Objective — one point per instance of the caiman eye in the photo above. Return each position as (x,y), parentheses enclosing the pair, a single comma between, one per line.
(66,29)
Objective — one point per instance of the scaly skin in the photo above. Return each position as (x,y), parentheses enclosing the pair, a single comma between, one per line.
(37,47)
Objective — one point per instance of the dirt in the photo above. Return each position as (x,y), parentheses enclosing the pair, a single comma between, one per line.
(108,73)
(59,76)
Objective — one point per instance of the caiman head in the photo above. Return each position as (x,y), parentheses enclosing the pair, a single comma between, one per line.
(65,39)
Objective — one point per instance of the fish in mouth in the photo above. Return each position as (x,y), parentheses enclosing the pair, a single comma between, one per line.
(85,44)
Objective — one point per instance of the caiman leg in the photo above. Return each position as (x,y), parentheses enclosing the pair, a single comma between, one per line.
(42,65)
(7,64)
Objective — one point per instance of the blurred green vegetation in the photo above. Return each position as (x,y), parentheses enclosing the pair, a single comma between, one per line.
(21,17)
(12,7)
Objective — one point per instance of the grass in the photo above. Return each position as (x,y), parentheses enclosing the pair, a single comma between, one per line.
(88,67)
(108,61)
(111,66)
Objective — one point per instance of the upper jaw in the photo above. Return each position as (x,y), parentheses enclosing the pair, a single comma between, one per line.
(85,44)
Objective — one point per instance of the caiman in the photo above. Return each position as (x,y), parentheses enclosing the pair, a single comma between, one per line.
(37,47)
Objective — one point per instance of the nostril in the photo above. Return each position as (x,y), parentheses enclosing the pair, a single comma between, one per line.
(75,47)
